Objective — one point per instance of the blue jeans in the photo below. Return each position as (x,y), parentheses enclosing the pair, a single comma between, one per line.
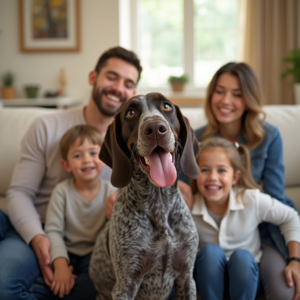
(216,278)
(20,276)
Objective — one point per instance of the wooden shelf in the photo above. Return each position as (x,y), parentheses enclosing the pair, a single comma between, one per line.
(59,102)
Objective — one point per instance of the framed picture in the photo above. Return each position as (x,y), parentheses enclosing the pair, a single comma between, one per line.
(49,25)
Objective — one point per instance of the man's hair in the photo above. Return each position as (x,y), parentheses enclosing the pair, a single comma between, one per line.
(122,53)
(80,131)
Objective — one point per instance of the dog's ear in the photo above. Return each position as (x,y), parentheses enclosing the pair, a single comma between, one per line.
(187,161)
(113,153)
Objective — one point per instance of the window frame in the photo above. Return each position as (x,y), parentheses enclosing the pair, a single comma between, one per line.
(128,39)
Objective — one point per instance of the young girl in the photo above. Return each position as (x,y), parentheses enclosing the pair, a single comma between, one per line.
(227,211)
(233,109)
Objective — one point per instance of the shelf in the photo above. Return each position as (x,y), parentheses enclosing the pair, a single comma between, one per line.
(42,102)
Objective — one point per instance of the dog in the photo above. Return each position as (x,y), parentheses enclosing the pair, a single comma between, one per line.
(150,243)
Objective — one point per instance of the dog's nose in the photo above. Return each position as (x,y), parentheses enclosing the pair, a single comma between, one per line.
(155,130)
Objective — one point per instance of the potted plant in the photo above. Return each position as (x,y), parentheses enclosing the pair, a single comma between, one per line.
(294,70)
(178,82)
(8,91)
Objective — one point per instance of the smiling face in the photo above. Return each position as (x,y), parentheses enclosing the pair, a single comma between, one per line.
(216,177)
(227,102)
(83,160)
(114,85)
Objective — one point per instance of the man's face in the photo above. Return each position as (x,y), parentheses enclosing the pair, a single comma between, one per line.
(114,85)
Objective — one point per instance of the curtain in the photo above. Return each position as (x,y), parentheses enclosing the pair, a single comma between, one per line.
(269,34)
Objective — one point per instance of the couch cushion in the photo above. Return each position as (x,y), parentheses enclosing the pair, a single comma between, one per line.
(18,120)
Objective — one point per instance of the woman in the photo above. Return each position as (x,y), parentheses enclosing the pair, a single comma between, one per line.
(234,111)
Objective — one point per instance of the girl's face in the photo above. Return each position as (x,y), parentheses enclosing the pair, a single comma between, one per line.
(216,176)
(83,160)
(227,102)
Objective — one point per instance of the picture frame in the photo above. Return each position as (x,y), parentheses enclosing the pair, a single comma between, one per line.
(49,26)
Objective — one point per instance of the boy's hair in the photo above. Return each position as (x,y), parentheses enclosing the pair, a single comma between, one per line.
(122,53)
(239,159)
(251,125)
(80,131)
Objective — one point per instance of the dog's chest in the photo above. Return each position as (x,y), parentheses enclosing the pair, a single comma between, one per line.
(156,249)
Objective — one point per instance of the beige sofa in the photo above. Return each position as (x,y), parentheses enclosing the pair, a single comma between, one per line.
(15,121)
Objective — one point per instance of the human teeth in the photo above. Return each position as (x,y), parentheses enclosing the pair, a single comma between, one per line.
(114,98)
(213,187)
(225,110)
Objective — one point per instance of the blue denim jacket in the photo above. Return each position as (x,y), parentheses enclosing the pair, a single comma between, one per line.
(268,168)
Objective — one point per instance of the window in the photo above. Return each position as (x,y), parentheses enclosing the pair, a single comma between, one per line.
(173,37)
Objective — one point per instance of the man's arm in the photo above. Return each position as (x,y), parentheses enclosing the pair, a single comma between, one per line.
(26,180)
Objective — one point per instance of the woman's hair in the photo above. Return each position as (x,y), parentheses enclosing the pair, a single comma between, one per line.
(238,157)
(251,127)
(80,131)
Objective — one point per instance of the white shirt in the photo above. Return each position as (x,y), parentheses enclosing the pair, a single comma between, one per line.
(239,226)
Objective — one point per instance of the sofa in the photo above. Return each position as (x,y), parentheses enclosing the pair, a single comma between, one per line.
(14,122)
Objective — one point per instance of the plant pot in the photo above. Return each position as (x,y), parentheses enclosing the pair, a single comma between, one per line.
(31,91)
(297,93)
(177,86)
(8,92)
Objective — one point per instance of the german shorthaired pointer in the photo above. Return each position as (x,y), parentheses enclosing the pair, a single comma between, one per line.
(150,244)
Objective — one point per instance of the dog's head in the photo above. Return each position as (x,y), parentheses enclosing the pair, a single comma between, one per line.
(150,131)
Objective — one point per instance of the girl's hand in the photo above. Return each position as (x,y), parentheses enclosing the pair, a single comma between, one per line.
(63,279)
(187,194)
(292,275)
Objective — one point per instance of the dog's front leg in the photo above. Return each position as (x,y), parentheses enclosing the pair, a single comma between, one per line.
(126,288)
(185,288)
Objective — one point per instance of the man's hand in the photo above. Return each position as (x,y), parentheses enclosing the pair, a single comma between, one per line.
(292,275)
(41,246)
(63,280)
(187,194)
(109,204)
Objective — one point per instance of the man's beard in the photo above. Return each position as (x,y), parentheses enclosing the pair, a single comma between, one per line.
(97,97)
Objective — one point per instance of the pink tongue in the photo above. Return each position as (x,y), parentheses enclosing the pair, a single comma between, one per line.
(162,170)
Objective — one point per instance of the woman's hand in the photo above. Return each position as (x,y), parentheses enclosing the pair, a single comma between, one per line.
(63,279)
(292,275)
(187,194)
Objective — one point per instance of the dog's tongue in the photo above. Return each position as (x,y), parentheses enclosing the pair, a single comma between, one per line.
(162,170)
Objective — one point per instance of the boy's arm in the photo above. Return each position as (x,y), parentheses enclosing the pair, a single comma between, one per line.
(292,271)
(55,222)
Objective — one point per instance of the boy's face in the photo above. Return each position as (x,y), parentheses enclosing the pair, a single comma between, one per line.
(83,160)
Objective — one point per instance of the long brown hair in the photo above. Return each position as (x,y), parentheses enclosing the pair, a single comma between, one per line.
(251,124)
(239,159)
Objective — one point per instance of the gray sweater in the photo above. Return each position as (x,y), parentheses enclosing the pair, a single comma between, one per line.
(38,171)
(72,223)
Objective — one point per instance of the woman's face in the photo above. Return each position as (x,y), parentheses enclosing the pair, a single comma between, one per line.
(227,101)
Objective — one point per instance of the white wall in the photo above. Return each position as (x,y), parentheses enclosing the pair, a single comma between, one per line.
(99,31)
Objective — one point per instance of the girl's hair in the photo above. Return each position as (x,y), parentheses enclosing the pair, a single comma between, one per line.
(251,127)
(238,157)
(80,131)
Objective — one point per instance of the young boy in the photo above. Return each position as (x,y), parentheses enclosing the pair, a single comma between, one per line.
(75,213)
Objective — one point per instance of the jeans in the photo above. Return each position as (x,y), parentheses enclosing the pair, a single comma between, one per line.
(20,276)
(216,278)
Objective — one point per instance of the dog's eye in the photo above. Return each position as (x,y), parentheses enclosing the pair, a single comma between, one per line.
(167,106)
(130,113)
